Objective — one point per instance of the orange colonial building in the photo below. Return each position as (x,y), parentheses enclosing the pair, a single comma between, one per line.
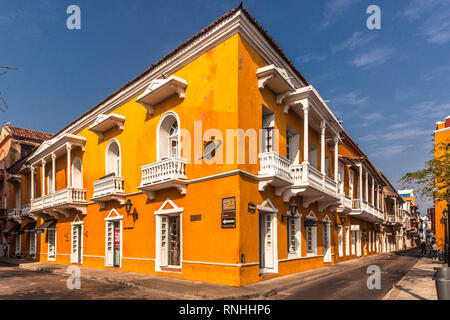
(441,136)
(219,163)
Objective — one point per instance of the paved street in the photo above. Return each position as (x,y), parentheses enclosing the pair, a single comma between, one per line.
(341,281)
(18,284)
(352,284)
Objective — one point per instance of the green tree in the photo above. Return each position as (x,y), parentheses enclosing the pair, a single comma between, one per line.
(433,181)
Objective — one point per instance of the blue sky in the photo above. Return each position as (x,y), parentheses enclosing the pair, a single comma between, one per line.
(389,86)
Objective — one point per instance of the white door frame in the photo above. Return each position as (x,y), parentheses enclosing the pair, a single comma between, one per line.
(267,208)
(174,211)
(326,223)
(114,216)
(77,222)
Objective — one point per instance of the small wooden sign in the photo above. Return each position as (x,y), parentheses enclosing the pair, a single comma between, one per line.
(251,207)
(196,217)
(228,220)
(229,204)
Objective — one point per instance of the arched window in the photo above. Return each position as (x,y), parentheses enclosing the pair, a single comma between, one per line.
(113,162)
(168,137)
(77,173)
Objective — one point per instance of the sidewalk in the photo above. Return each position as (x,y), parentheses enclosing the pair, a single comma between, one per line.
(417,284)
(193,290)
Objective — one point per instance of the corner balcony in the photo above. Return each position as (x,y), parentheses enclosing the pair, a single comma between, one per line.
(313,185)
(274,170)
(25,212)
(346,204)
(289,180)
(60,202)
(366,212)
(14,214)
(164,174)
(108,188)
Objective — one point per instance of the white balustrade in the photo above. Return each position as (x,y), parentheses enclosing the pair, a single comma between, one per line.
(59,198)
(168,169)
(273,164)
(108,186)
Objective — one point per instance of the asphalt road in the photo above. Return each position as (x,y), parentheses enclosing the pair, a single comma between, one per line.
(20,284)
(352,284)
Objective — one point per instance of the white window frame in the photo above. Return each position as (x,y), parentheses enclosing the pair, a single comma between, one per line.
(159,214)
(353,241)
(32,243)
(347,240)
(297,221)
(114,216)
(340,240)
(168,146)
(76,222)
(326,225)
(313,252)
(18,244)
(112,141)
(48,244)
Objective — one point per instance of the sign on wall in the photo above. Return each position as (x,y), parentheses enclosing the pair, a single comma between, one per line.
(228,220)
(229,204)
(117,239)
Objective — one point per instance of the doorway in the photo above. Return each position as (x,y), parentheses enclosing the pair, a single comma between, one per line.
(266,241)
(77,246)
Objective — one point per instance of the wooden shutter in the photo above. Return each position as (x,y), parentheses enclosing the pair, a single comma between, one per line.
(268,241)
(109,243)
(164,241)
(32,243)
(51,244)
(74,245)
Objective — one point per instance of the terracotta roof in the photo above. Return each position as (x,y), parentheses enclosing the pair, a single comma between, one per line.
(187,43)
(28,134)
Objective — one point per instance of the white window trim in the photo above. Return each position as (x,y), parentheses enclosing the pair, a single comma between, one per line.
(32,253)
(48,245)
(163,117)
(311,216)
(114,140)
(298,235)
(175,211)
(353,242)
(341,240)
(326,223)
(112,217)
(267,207)
(77,222)
(347,240)
(18,244)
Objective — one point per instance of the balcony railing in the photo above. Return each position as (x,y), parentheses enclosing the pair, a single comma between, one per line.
(345,205)
(25,211)
(313,177)
(356,205)
(109,188)
(61,199)
(14,214)
(163,174)
(273,164)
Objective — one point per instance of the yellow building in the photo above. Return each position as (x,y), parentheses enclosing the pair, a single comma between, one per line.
(441,136)
(219,163)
